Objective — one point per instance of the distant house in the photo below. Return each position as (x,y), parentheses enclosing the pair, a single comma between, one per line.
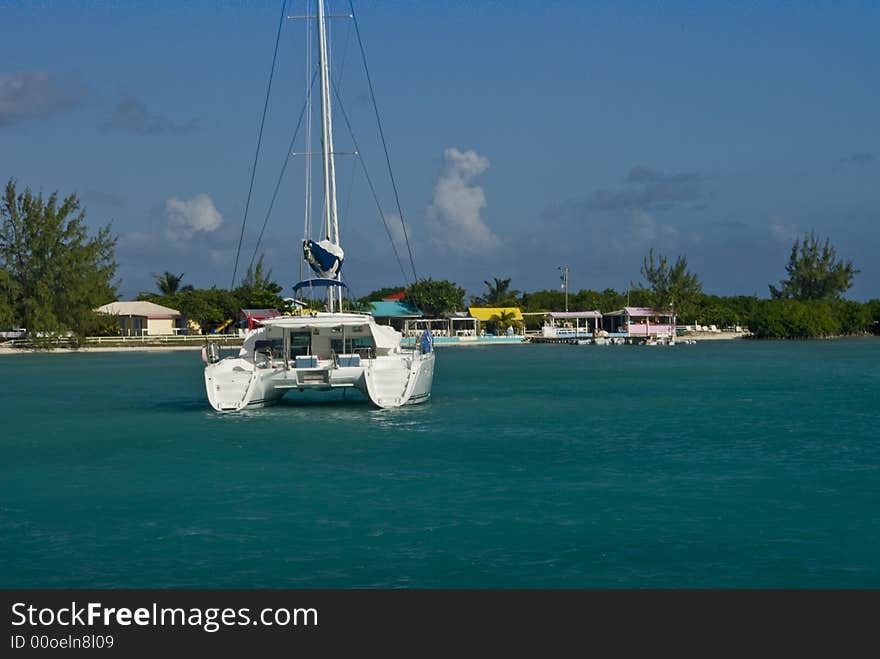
(461,323)
(491,315)
(640,321)
(571,324)
(393,312)
(251,318)
(142,318)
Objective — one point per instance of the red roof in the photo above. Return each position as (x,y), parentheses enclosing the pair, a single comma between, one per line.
(395,296)
(260,313)
(254,316)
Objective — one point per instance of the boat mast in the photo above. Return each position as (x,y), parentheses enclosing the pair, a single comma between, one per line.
(331,221)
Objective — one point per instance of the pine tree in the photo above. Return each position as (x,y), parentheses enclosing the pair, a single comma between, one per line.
(257,290)
(669,285)
(814,272)
(53,274)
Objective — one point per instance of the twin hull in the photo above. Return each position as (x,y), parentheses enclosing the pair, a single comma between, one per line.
(387,374)
(234,384)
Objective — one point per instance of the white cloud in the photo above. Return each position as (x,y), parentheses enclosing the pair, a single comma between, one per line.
(642,230)
(395,228)
(781,231)
(454,215)
(221,256)
(34,95)
(131,115)
(186,217)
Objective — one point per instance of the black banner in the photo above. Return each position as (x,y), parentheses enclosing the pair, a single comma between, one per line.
(417,622)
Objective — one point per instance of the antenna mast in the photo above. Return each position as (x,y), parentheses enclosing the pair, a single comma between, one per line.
(331,220)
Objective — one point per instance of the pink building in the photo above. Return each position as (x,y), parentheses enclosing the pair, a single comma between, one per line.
(640,321)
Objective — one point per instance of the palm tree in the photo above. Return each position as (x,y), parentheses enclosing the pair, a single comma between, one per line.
(504,320)
(168,283)
(498,294)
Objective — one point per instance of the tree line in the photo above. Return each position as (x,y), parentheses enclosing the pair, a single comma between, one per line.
(212,307)
(808,303)
(53,274)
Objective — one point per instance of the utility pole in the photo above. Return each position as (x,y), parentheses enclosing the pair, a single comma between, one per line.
(564,279)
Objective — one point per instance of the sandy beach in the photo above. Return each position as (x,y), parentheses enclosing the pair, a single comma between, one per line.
(714,336)
(6,350)
(10,350)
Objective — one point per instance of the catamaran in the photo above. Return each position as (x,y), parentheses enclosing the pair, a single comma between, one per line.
(327,350)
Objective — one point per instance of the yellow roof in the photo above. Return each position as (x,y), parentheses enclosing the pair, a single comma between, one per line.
(486,313)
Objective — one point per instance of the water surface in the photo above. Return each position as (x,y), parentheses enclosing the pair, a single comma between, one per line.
(722,464)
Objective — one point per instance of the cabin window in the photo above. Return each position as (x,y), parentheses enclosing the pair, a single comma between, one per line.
(351,345)
(272,347)
(300,344)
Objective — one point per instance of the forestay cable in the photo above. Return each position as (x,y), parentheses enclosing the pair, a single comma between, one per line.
(370,183)
(287,157)
(382,135)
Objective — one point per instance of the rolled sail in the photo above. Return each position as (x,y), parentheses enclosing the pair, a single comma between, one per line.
(324,257)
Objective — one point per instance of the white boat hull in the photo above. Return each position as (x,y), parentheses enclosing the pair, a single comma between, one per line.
(252,379)
(317,351)
(231,390)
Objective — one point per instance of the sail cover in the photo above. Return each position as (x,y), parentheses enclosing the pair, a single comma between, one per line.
(324,257)
(426,342)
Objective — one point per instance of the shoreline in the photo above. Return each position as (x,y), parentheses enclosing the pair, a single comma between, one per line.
(714,336)
(93,349)
(695,336)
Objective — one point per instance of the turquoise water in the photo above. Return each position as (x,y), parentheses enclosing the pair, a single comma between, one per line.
(727,464)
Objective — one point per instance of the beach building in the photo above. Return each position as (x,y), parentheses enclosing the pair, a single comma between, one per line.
(640,323)
(462,324)
(489,318)
(571,324)
(464,327)
(393,312)
(142,318)
(439,327)
(455,324)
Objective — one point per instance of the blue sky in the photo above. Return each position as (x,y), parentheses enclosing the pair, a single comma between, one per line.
(523,135)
